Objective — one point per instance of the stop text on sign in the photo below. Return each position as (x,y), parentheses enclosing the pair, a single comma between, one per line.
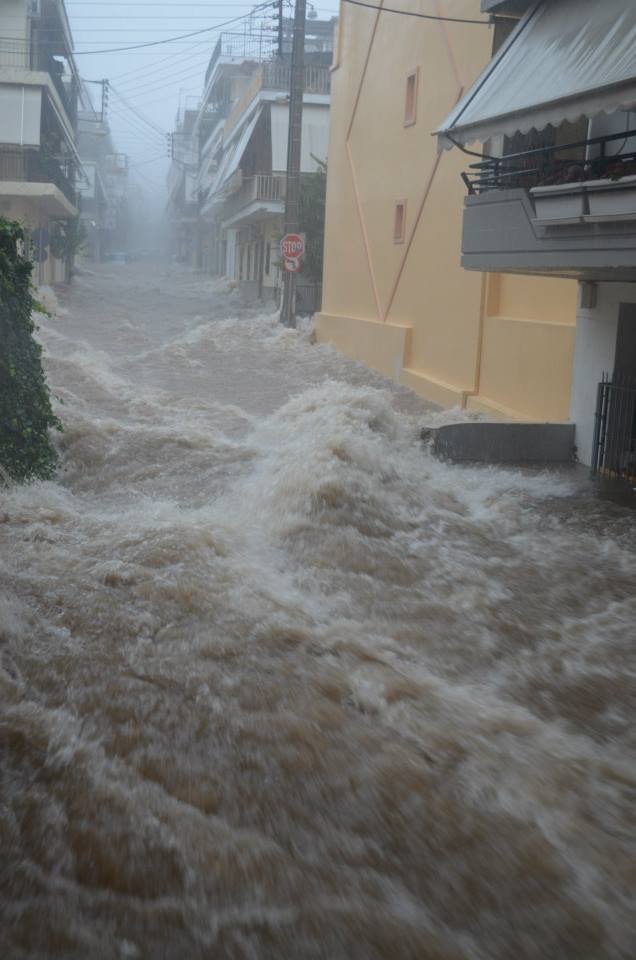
(292,246)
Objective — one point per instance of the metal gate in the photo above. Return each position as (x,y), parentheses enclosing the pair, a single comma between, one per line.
(614,452)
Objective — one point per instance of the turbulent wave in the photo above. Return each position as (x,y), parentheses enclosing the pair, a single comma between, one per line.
(274,683)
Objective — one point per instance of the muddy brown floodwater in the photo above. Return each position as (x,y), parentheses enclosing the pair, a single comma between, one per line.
(276,685)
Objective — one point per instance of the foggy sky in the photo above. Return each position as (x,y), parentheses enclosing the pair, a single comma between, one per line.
(154,79)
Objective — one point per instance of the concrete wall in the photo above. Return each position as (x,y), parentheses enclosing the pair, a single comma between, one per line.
(594,355)
(464,337)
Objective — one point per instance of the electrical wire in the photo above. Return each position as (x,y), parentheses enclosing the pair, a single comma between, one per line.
(183,36)
(149,84)
(420,16)
(150,123)
(143,163)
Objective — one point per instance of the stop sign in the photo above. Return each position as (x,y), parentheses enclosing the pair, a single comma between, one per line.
(292,246)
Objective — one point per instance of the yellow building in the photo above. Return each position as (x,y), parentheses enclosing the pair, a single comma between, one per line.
(395,295)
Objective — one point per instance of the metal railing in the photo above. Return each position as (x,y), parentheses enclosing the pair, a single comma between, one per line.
(15,54)
(29,166)
(614,446)
(544,167)
(267,188)
(308,298)
(254,44)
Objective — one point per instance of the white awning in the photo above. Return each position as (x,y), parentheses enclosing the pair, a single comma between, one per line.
(234,153)
(565,60)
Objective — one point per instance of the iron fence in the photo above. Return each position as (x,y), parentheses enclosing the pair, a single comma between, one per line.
(614,448)
(308,298)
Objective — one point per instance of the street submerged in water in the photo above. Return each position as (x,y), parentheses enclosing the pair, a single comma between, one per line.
(276,684)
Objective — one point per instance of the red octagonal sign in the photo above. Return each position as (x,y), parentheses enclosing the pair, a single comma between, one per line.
(292,246)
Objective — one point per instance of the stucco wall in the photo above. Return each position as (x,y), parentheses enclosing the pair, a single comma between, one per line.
(469,336)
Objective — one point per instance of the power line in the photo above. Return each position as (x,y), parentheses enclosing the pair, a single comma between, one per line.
(150,123)
(150,84)
(142,73)
(183,36)
(143,163)
(420,16)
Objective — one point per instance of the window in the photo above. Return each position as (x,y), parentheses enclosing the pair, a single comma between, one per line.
(241,258)
(410,103)
(399,223)
(268,257)
(249,261)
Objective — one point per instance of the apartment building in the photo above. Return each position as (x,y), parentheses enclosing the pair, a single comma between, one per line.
(103,186)
(395,295)
(39,89)
(228,181)
(555,195)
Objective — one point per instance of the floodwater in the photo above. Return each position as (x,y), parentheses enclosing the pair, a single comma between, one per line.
(276,685)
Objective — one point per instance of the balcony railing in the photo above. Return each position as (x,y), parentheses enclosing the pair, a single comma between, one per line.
(264,188)
(24,55)
(277,76)
(544,167)
(29,166)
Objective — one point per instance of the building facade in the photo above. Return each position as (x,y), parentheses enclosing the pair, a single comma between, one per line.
(555,192)
(103,185)
(39,162)
(395,295)
(227,181)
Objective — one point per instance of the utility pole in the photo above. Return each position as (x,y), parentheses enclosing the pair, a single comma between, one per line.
(294,143)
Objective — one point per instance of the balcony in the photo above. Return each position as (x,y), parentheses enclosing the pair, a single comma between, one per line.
(30,167)
(258,196)
(567,210)
(277,76)
(24,55)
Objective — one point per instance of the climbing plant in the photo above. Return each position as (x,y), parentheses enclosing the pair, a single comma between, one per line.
(26,415)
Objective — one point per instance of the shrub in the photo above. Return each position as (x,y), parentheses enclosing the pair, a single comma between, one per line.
(26,416)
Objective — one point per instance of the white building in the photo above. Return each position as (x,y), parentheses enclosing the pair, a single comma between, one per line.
(236,205)
(39,87)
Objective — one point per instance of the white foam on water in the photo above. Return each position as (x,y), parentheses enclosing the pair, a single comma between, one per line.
(276,683)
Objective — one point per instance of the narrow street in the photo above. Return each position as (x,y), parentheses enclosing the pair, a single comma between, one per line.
(275,684)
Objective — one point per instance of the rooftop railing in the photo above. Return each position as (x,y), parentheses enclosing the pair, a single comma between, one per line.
(554,165)
(255,45)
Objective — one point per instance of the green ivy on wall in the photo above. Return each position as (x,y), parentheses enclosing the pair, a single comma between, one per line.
(26,416)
